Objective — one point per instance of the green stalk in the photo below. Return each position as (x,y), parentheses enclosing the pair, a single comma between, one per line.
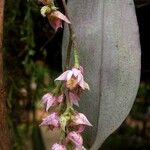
(76,58)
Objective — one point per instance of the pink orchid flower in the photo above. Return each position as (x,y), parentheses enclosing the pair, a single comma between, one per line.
(52,121)
(50,100)
(76,139)
(54,16)
(79,122)
(73,78)
(55,19)
(58,147)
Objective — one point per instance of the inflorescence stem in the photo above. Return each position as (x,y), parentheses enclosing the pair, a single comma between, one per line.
(72,42)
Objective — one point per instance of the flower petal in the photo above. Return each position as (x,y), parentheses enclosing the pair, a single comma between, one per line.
(74,98)
(63,76)
(81,69)
(75,138)
(81,82)
(51,120)
(46,97)
(50,103)
(80,119)
(86,86)
(76,72)
(48,100)
(56,23)
(59,15)
(69,75)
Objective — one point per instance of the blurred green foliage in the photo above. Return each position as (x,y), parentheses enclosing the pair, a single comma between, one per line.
(27,76)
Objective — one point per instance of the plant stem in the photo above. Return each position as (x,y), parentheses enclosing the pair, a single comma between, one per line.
(76,58)
(72,43)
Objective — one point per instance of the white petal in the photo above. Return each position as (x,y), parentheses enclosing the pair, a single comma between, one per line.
(63,76)
(69,75)
(76,72)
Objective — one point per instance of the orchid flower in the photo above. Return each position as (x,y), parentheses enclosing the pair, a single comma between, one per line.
(52,121)
(54,16)
(55,19)
(73,78)
(79,122)
(50,100)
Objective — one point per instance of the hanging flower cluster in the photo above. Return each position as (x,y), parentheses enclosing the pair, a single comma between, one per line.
(69,86)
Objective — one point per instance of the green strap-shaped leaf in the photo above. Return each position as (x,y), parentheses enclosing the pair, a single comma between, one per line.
(108,41)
